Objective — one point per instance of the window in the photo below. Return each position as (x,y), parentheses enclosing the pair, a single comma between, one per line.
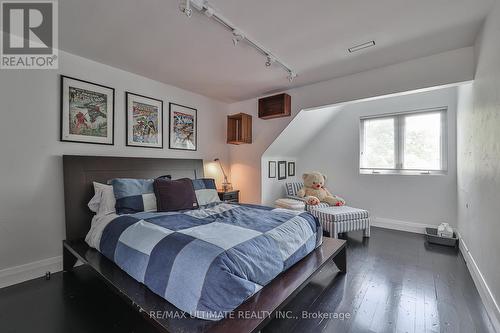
(404,143)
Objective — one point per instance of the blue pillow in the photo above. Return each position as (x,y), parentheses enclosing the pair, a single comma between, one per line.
(206,191)
(134,195)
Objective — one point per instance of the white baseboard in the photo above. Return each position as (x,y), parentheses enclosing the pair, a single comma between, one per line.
(18,274)
(414,227)
(484,291)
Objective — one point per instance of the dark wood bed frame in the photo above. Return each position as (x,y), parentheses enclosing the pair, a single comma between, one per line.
(81,171)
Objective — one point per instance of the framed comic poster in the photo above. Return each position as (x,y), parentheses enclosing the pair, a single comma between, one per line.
(87,112)
(183,127)
(144,121)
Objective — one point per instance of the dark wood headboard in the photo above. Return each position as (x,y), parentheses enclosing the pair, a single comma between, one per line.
(81,171)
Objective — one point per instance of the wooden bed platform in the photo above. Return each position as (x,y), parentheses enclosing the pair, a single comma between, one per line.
(251,316)
(263,305)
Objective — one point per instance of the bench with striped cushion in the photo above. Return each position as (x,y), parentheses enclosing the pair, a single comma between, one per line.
(334,220)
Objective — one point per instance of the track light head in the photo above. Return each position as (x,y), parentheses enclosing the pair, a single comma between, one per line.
(185,7)
(237,36)
(291,76)
(270,60)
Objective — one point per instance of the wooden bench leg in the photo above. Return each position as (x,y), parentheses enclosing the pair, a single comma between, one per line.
(341,261)
(69,260)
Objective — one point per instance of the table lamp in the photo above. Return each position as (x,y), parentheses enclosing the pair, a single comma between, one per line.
(226,186)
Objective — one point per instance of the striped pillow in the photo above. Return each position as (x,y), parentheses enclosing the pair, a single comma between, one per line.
(293,187)
(206,191)
(134,195)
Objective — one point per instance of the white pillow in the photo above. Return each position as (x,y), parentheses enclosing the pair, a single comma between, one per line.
(103,202)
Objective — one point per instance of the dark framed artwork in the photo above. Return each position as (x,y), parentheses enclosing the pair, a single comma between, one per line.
(291,169)
(87,112)
(272,169)
(183,127)
(281,170)
(144,121)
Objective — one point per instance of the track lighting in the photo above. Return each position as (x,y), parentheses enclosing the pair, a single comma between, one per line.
(186,7)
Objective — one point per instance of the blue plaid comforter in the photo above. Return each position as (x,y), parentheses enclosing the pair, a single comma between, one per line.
(208,261)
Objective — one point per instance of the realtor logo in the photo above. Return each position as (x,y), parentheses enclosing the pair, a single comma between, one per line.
(29,35)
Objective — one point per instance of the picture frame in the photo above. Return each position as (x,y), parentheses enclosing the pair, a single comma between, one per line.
(87,112)
(272,169)
(291,169)
(281,170)
(183,127)
(144,121)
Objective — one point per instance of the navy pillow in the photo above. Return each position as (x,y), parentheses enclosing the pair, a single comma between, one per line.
(174,195)
(134,195)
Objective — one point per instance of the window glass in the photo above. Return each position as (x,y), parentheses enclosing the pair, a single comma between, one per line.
(422,141)
(379,143)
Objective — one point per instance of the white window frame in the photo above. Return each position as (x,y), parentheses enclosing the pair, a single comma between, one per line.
(399,143)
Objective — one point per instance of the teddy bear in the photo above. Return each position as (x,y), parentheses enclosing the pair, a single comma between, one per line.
(314,190)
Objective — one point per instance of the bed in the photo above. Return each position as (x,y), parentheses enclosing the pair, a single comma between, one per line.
(250,287)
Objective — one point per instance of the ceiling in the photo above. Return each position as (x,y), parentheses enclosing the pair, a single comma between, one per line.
(154,39)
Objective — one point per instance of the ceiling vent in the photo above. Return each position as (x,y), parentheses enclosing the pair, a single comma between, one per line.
(361,46)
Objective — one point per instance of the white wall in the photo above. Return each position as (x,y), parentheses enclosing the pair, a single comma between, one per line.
(479,167)
(31,191)
(423,199)
(297,136)
(444,68)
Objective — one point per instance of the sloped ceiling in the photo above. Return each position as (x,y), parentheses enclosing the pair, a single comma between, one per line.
(299,134)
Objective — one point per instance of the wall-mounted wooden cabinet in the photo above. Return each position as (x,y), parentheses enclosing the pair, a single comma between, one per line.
(276,106)
(239,129)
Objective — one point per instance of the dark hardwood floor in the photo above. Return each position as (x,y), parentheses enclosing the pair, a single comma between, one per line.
(395,283)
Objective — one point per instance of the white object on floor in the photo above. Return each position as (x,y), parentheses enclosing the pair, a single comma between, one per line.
(339,219)
(291,204)
(444,230)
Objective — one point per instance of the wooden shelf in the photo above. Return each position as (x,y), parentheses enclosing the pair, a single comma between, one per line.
(276,106)
(239,129)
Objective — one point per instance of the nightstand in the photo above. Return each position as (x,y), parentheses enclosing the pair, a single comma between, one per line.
(230,196)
